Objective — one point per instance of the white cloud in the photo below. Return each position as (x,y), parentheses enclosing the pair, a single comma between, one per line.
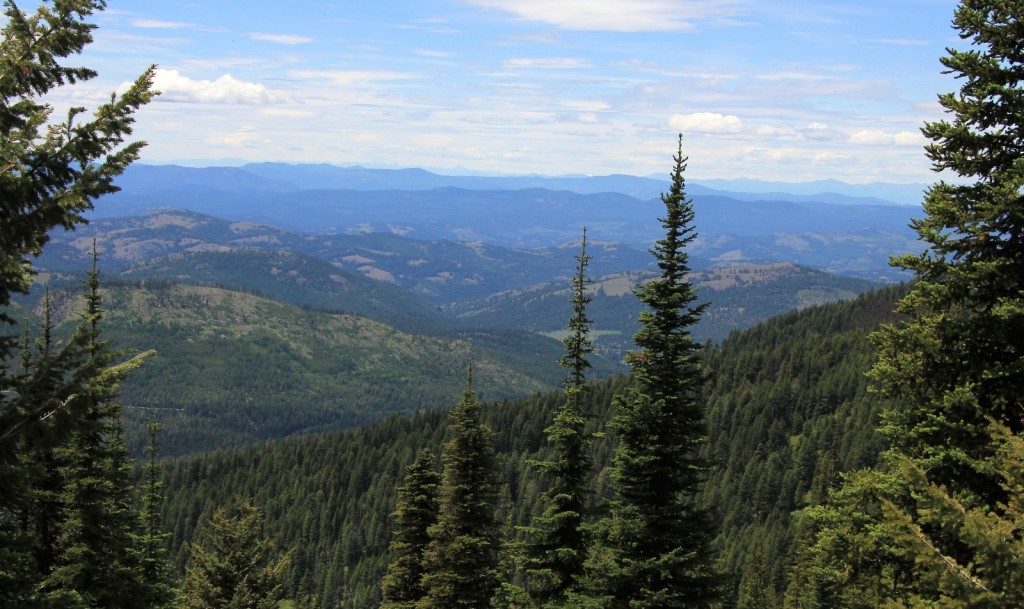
(871,137)
(558,63)
(432,53)
(877,137)
(289,39)
(909,138)
(350,77)
(615,15)
(161,25)
(779,133)
(706,122)
(225,90)
(819,132)
(243,137)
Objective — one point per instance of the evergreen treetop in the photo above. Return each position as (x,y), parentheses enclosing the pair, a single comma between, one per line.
(556,542)
(654,550)
(231,565)
(938,525)
(415,513)
(462,556)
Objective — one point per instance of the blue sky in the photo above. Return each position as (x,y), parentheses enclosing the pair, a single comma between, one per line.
(775,90)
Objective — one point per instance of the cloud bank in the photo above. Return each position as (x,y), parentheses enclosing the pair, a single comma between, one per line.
(176,87)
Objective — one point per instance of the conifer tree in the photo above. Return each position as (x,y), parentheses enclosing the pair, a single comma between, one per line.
(152,540)
(52,172)
(462,557)
(415,513)
(96,559)
(958,362)
(231,565)
(654,549)
(556,542)
(943,516)
(966,312)
(46,480)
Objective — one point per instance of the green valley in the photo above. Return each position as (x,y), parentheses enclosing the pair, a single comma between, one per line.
(233,367)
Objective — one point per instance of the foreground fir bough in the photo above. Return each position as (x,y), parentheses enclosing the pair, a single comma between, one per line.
(70,534)
(941,524)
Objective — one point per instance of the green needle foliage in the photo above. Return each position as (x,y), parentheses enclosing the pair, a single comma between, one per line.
(51,173)
(65,516)
(966,328)
(152,540)
(655,549)
(95,558)
(557,543)
(462,556)
(232,566)
(940,525)
(415,513)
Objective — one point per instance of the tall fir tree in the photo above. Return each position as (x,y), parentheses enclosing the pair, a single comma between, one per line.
(231,565)
(461,559)
(415,513)
(52,172)
(557,544)
(654,548)
(965,331)
(47,482)
(957,364)
(96,561)
(152,541)
(940,524)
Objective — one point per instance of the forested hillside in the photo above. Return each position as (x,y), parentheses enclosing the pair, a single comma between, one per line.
(788,412)
(233,367)
(434,271)
(738,297)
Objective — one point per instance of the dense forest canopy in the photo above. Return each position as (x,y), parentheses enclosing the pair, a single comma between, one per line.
(859,454)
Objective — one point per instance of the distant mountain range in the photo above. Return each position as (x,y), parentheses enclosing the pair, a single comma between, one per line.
(379,282)
(290,177)
(433,287)
(170,243)
(834,232)
(902,194)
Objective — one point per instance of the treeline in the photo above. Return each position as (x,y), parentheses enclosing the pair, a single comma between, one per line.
(788,412)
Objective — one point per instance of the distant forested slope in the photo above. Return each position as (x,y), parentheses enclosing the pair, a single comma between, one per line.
(233,367)
(788,410)
(738,297)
